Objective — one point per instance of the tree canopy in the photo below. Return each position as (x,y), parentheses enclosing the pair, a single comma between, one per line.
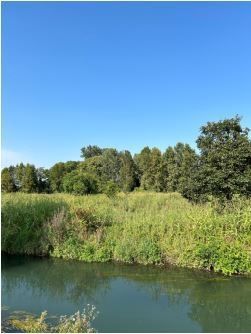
(221,168)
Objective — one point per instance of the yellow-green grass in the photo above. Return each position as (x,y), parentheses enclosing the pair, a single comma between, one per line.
(140,227)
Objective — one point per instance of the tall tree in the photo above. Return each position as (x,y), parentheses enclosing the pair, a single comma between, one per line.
(7,181)
(111,163)
(29,182)
(92,165)
(225,160)
(142,161)
(57,173)
(128,172)
(170,170)
(91,151)
(152,178)
(187,169)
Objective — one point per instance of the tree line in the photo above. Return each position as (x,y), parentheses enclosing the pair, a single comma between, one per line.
(221,167)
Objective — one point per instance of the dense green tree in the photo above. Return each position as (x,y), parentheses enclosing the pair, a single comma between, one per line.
(71,165)
(92,165)
(7,181)
(187,169)
(128,172)
(222,169)
(80,183)
(170,170)
(58,171)
(152,178)
(29,181)
(179,162)
(111,164)
(91,151)
(225,158)
(143,160)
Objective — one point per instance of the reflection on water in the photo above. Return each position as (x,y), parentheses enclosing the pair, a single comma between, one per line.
(129,298)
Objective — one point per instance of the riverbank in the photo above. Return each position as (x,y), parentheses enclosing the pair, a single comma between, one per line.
(146,228)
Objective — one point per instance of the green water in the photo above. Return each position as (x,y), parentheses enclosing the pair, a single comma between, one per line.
(129,298)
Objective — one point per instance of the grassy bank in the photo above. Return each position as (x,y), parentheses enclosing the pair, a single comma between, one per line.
(147,228)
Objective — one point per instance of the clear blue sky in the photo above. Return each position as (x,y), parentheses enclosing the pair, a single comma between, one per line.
(122,75)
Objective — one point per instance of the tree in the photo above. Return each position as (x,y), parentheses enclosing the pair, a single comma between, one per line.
(29,181)
(79,183)
(152,178)
(111,163)
(91,151)
(187,170)
(7,181)
(142,161)
(225,160)
(170,170)
(19,175)
(128,172)
(92,165)
(57,173)
(43,182)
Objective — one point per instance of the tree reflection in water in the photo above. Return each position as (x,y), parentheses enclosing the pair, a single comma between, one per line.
(216,303)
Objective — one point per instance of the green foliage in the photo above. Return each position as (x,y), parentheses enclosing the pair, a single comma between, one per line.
(111,164)
(228,259)
(91,151)
(29,179)
(25,219)
(140,227)
(92,166)
(76,323)
(222,169)
(25,178)
(225,160)
(128,172)
(110,188)
(57,173)
(152,178)
(142,161)
(31,323)
(7,181)
(79,183)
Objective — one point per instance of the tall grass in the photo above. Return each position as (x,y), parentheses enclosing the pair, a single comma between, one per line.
(23,219)
(147,228)
(76,323)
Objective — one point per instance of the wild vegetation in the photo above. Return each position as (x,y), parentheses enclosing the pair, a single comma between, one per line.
(222,168)
(143,218)
(138,227)
(29,323)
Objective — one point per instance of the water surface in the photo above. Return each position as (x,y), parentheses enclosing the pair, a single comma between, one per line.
(129,298)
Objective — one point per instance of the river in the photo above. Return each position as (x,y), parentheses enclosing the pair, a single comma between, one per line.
(129,298)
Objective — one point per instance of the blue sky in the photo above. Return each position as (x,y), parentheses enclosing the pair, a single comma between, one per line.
(122,75)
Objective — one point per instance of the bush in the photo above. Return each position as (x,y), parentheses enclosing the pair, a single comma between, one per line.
(80,183)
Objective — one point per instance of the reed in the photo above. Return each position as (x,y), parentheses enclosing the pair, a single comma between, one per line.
(140,227)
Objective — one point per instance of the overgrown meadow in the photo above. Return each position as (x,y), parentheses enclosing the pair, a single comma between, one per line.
(138,227)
